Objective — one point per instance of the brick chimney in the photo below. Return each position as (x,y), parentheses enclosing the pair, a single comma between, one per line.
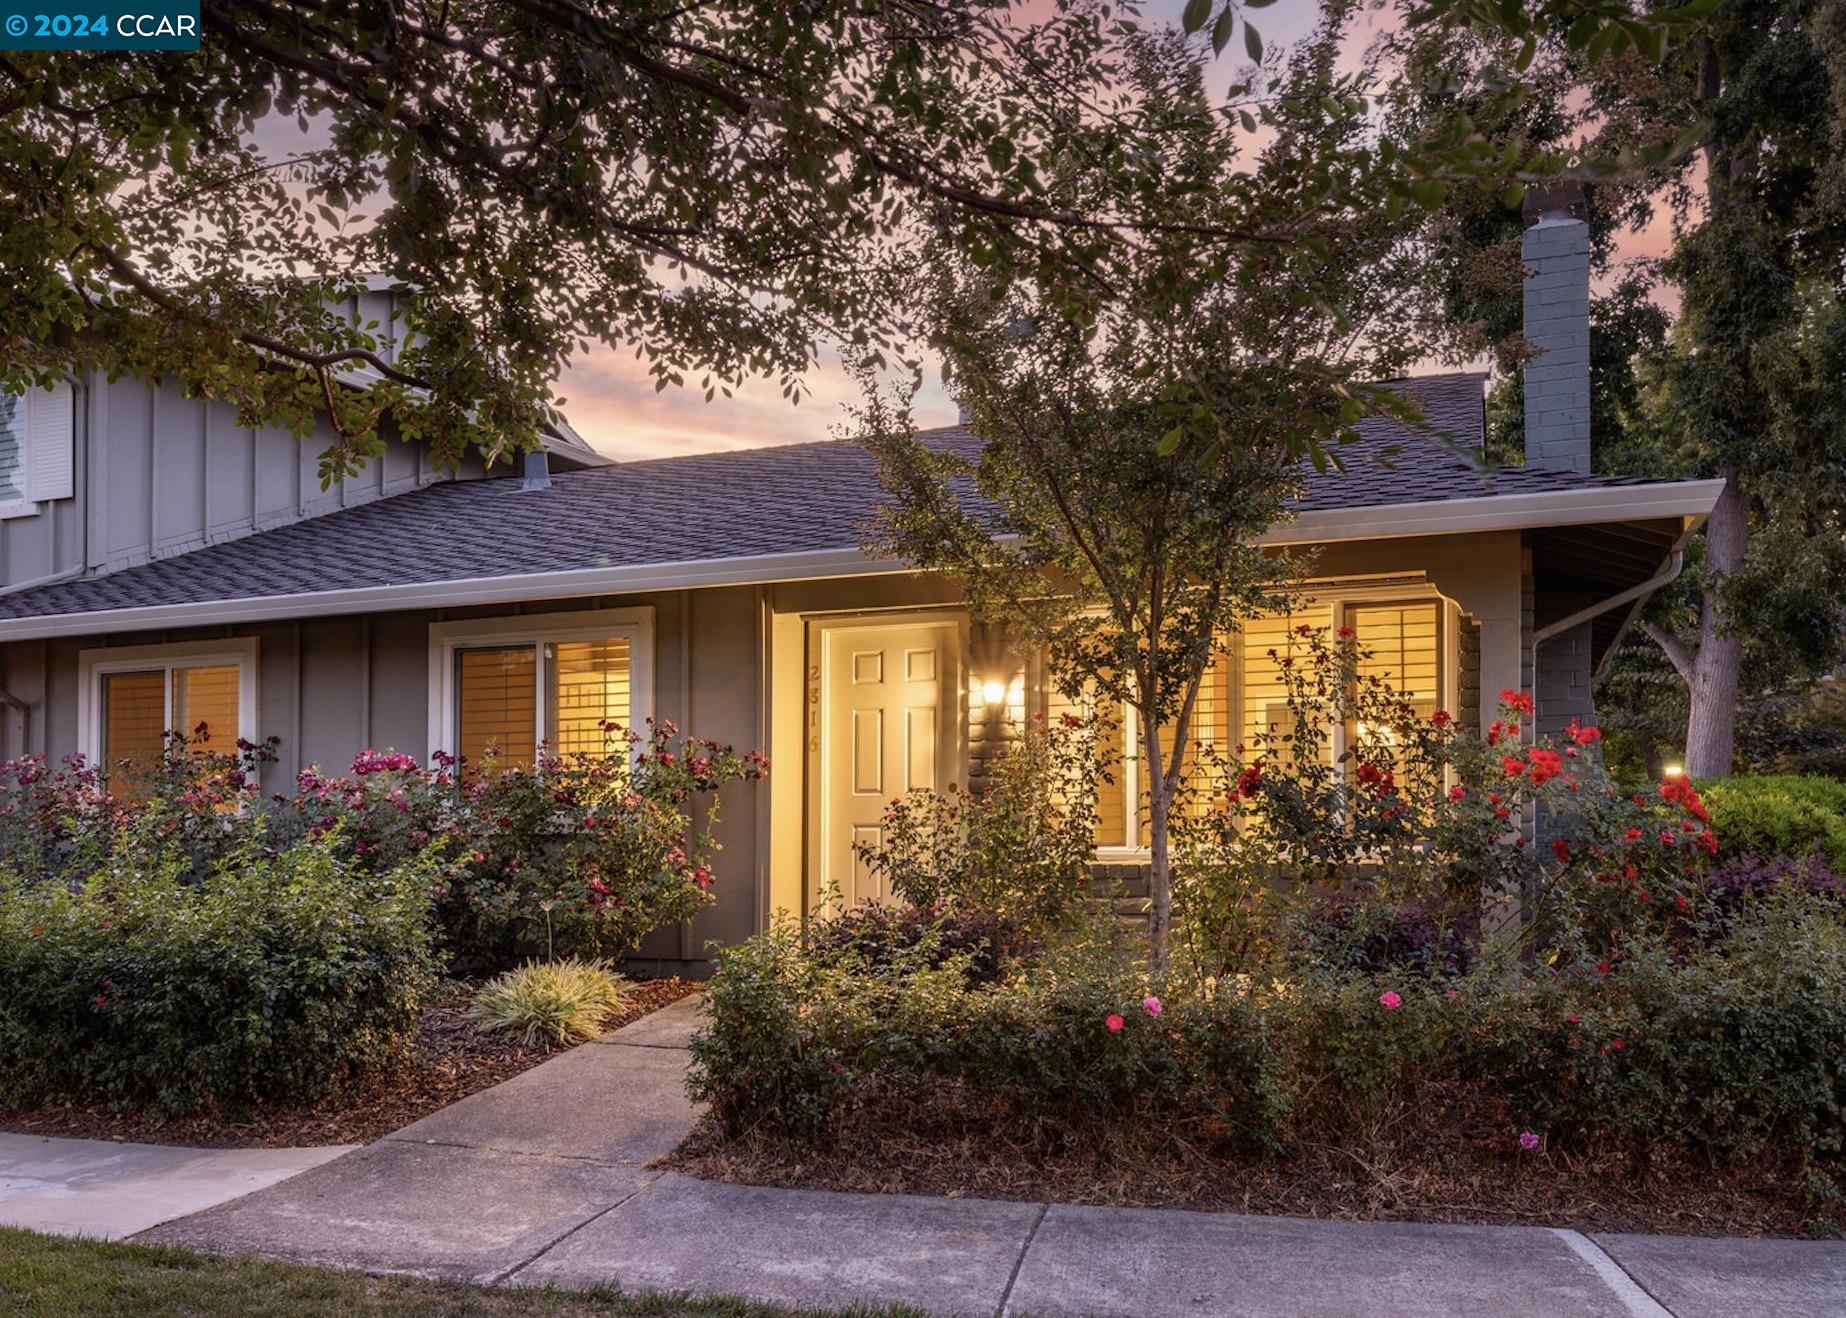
(1556,252)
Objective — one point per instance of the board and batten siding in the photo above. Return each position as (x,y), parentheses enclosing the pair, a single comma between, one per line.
(158,474)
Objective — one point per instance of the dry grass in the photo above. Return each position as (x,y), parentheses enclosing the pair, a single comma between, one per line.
(1441,1166)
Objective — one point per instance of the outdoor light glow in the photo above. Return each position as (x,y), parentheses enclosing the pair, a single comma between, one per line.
(994,692)
(1674,770)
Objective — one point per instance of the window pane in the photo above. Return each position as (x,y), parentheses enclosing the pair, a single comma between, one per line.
(134,725)
(1111,797)
(1405,645)
(1265,714)
(12,446)
(1402,641)
(207,698)
(589,683)
(1210,727)
(499,704)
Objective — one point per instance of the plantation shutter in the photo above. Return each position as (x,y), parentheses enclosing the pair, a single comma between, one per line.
(134,725)
(207,698)
(589,683)
(1268,645)
(51,443)
(499,704)
(1404,654)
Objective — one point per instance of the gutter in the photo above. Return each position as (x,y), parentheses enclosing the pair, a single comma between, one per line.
(1688,502)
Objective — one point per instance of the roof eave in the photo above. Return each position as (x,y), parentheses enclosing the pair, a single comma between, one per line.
(1689,501)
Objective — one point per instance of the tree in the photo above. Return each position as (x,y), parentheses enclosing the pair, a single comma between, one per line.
(718,187)
(1136,448)
(1739,386)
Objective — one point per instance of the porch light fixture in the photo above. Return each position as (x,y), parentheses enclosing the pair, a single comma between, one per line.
(993,692)
(1674,770)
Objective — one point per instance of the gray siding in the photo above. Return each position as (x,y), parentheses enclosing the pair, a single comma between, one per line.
(159,474)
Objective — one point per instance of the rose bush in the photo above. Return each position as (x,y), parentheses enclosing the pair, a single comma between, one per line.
(579,854)
(1419,812)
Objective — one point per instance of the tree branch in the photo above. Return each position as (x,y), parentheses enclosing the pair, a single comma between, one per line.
(1675,650)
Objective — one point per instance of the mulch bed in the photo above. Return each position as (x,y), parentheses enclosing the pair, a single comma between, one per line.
(912,1143)
(450,1059)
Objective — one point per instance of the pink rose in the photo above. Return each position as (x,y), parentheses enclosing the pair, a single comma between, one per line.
(1114,1022)
(1528,1140)
(1390,1000)
(1152,1005)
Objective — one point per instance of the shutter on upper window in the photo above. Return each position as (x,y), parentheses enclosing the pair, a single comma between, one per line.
(51,443)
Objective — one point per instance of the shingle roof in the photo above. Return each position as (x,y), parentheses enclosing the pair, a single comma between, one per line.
(798,497)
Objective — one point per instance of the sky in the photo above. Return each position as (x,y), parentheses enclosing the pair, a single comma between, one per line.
(612,403)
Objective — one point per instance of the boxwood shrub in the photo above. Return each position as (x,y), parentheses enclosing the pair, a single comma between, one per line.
(1779,815)
(276,972)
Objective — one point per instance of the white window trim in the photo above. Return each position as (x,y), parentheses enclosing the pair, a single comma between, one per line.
(94,665)
(635,625)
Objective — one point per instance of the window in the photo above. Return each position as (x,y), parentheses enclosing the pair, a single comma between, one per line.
(1403,641)
(12,448)
(505,686)
(130,698)
(1244,696)
(1122,753)
(37,448)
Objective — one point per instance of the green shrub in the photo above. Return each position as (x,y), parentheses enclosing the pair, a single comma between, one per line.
(1733,1051)
(1779,815)
(551,1001)
(276,974)
(1019,847)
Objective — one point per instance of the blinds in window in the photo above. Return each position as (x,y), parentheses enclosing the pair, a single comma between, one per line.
(206,699)
(590,684)
(1401,639)
(499,704)
(134,725)
(1268,645)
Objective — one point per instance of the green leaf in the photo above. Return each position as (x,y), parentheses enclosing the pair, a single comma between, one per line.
(1514,195)
(1252,42)
(1222,29)
(1195,15)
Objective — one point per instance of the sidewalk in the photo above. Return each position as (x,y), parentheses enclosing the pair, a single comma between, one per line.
(108,1190)
(543,1179)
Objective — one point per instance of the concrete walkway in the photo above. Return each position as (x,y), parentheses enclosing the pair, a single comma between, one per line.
(108,1190)
(543,1179)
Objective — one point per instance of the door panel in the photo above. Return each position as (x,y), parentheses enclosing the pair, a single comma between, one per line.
(892,700)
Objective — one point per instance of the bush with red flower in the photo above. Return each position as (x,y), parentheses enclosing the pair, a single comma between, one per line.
(1421,812)
(578,854)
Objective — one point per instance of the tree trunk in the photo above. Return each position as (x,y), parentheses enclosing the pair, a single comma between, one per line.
(1159,876)
(1711,731)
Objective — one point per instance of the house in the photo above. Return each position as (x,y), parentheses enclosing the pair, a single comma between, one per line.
(161,567)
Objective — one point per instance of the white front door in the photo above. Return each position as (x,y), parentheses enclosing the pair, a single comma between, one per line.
(891,701)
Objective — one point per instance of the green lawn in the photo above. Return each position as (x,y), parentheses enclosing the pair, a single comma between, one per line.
(49,1277)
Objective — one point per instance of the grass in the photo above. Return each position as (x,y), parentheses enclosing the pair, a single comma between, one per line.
(50,1277)
(551,1001)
